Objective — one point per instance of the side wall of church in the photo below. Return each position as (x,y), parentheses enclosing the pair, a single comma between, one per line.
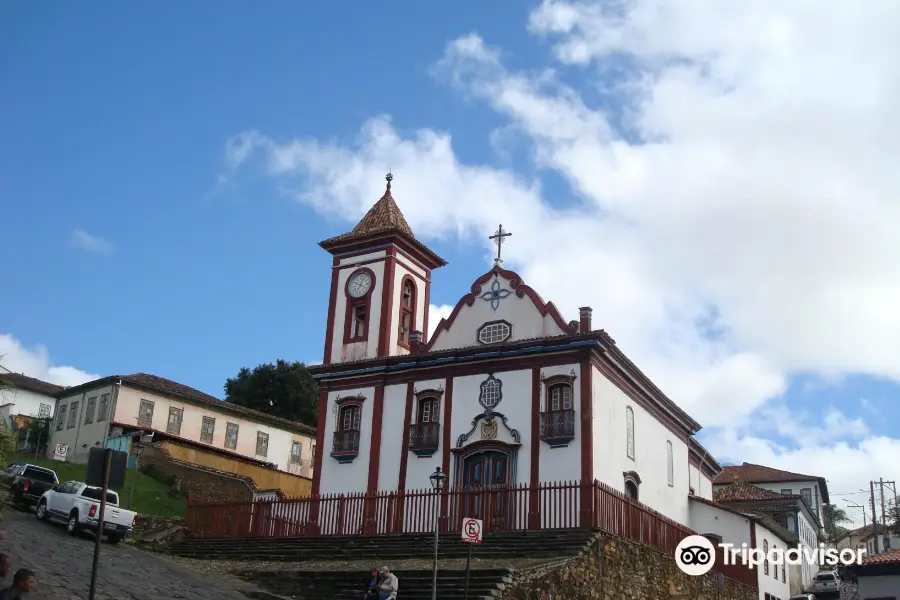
(650,461)
(343,478)
(701,483)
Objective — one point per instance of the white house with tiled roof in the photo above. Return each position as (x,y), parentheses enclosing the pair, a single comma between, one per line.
(27,396)
(506,392)
(813,489)
(790,511)
(89,415)
(878,578)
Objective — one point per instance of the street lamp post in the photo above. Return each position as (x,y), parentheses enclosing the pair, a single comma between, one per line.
(138,450)
(437,482)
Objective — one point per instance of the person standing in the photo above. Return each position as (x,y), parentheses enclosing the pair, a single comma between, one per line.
(387,589)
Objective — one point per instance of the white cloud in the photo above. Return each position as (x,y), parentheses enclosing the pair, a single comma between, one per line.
(733,217)
(36,363)
(91,243)
(435,314)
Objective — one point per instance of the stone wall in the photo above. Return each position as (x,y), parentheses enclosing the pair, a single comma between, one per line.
(195,480)
(612,568)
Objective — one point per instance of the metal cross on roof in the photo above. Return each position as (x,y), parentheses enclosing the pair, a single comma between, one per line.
(499,237)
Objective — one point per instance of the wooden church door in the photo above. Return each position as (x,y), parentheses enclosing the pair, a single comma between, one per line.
(486,477)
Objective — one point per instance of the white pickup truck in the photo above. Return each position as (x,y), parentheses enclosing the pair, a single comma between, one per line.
(78,506)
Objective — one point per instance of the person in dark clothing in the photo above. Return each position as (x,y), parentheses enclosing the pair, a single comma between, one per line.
(370,592)
(5,566)
(23,582)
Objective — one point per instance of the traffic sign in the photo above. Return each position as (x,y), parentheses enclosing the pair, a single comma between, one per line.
(471,531)
(718,581)
(59,453)
(846,591)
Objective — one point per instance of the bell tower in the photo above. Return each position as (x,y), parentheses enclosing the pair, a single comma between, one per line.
(380,286)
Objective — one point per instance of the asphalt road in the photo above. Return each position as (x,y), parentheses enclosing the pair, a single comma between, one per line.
(62,566)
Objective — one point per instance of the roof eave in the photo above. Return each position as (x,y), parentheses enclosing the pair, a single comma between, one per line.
(343,243)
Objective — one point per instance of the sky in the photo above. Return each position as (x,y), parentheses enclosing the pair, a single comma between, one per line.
(717,180)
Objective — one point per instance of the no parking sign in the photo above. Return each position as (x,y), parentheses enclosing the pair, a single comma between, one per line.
(471,531)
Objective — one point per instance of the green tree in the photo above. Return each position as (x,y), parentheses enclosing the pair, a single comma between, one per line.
(893,517)
(281,389)
(834,516)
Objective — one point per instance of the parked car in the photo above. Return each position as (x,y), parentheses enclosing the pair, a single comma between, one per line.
(825,582)
(78,506)
(27,483)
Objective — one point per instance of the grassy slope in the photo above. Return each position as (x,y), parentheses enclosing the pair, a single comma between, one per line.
(151,497)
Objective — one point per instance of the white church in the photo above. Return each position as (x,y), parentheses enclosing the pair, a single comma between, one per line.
(506,392)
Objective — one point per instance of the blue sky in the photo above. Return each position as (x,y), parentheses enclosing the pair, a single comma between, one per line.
(167,170)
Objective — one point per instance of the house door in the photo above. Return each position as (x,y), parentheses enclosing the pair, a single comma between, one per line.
(486,479)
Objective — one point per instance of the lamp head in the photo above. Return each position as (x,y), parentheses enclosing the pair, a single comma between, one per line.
(437,479)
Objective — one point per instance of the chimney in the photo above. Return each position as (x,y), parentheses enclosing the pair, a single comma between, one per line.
(415,340)
(584,314)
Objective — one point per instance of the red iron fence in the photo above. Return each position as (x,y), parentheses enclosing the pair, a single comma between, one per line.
(566,505)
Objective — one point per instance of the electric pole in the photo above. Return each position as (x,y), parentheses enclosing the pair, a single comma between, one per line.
(874,516)
(887,541)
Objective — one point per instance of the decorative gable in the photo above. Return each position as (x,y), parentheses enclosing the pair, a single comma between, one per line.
(500,308)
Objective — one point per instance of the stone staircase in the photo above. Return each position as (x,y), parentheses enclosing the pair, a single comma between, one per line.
(498,554)
(545,543)
(346,585)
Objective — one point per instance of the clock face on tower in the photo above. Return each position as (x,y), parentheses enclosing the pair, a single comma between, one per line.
(359,284)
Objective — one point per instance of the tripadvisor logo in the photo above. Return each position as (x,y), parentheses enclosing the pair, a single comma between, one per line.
(696,555)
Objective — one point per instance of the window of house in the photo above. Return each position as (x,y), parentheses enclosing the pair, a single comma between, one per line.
(775,566)
(44,411)
(61,418)
(350,418)
(358,322)
(428,410)
(296,453)
(783,576)
(175,417)
(712,537)
(207,429)
(89,410)
(494,332)
(787,492)
(314,452)
(670,464)
(766,553)
(231,435)
(262,443)
(407,310)
(806,494)
(103,409)
(560,397)
(629,432)
(73,415)
(631,489)
(145,414)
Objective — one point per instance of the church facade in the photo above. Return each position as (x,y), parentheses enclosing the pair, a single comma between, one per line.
(506,392)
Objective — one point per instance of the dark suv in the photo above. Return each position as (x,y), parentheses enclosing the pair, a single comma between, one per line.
(27,483)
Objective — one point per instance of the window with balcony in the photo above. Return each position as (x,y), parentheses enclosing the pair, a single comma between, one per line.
(558,417)
(345,444)
(425,432)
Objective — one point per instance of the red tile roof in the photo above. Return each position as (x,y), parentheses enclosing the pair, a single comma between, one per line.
(750,473)
(384,216)
(892,557)
(24,382)
(745,492)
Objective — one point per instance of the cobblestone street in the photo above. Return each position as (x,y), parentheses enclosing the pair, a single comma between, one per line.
(62,566)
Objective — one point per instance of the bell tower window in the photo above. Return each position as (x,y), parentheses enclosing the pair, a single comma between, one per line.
(407,316)
(359,288)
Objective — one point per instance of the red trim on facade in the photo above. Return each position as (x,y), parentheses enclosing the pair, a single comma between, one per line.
(534,500)
(587,435)
(402,310)
(320,450)
(407,421)
(351,303)
(519,288)
(387,304)
(752,533)
(369,522)
(425,336)
(401,259)
(445,450)
(332,303)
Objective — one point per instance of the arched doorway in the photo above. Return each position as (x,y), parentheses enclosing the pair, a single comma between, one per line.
(486,474)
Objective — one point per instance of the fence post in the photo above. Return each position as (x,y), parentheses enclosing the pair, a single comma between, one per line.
(585,504)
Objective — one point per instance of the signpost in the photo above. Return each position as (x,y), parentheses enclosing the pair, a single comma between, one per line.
(718,581)
(846,591)
(471,534)
(60,451)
